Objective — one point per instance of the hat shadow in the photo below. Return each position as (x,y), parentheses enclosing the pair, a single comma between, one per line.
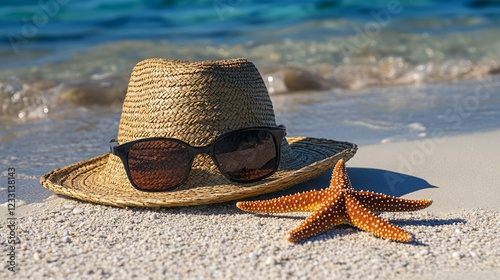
(367,179)
(385,181)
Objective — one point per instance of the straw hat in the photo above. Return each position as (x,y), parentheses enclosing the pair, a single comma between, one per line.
(194,102)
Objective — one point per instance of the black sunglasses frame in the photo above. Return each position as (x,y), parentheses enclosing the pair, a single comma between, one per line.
(121,151)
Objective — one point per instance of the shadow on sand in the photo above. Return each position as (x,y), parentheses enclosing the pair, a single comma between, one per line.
(368,179)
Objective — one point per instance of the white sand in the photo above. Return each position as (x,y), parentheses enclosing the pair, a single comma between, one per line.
(456,238)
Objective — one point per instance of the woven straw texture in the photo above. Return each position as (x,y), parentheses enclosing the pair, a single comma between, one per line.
(194,102)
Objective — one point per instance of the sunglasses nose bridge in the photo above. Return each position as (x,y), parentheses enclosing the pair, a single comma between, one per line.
(200,150)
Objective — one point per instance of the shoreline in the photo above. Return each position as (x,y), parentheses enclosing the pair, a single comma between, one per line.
(457,237)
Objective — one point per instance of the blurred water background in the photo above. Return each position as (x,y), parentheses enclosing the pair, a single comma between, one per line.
(362,71)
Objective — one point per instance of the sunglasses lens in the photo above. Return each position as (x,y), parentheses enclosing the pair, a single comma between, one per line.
(158,165)
(247,156)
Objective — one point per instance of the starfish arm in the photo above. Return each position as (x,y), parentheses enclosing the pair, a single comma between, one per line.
(384,203)
(300,202)
(329,214)
(340,179)
(367,221)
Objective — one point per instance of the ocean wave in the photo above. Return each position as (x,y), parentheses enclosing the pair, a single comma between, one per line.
(26,99)
(98,76)
(391,71)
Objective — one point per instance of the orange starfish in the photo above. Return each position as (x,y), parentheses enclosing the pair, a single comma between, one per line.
(340,204)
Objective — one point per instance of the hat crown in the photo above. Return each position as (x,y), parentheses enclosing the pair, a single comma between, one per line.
(193,101)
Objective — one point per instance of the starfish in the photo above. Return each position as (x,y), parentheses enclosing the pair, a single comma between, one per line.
(340,204)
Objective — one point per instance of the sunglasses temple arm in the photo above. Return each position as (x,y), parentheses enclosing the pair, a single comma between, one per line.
(282,126)
(112,145)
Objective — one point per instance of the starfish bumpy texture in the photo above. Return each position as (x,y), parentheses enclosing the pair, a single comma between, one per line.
(340,204)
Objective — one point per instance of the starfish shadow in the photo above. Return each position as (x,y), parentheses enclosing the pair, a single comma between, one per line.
(429,222)
(282,215)
(344,230)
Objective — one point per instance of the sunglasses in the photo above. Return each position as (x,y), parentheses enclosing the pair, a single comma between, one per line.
(161,164)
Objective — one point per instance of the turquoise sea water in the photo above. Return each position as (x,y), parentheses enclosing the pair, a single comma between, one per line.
(361,71)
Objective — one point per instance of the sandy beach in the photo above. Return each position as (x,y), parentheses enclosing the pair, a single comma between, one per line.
(455,238)
(415,84)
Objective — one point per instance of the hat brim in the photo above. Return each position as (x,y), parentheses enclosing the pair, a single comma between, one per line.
(81,180)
